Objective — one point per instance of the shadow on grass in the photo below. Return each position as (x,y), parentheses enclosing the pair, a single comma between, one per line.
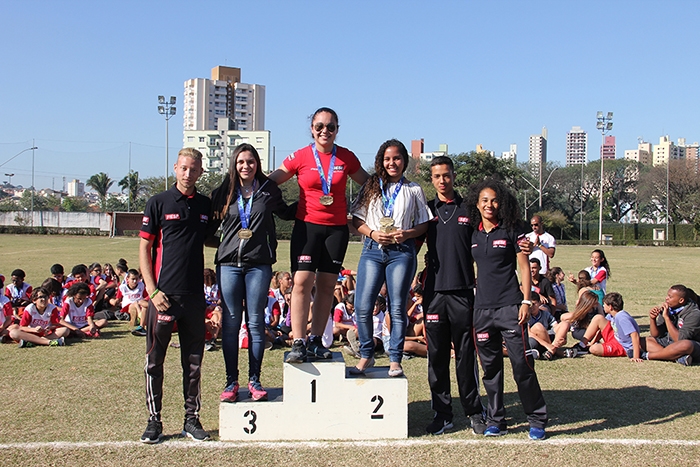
(605,409)
(591,410)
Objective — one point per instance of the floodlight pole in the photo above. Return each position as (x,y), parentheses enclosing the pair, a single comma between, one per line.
(604,124)
(167,109)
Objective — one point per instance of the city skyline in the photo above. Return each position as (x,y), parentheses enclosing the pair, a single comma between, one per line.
(460,74)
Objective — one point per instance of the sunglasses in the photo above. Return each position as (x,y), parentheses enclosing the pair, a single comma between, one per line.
(331,127)
(534,225)
(42,297)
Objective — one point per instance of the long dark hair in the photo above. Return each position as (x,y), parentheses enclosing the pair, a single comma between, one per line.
(603,261)
(222,196)
(371,189)
(508,213)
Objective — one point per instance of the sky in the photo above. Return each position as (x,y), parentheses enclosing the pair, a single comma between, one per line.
(80,79)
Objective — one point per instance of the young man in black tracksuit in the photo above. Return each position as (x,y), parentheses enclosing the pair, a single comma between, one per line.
(172,265)
(449,302)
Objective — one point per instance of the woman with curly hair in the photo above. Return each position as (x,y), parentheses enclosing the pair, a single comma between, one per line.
(500,312)
(390,212)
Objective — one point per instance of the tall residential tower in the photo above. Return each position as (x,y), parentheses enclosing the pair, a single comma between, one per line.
(576,146)
(223,96)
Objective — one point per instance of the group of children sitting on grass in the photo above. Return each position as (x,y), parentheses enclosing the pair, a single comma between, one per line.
(600,323)
(74,306)
(81,304)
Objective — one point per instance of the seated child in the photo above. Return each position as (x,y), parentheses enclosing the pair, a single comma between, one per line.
(55,289)
(132,300)
(78,313)
(343,317)
(40,323)
(541,326)
(6,314)
(415,330)
(620,332)
(79,273)
(675,328)
(58,273)
(273,316)
(18,292)
(212,316)
(574,321)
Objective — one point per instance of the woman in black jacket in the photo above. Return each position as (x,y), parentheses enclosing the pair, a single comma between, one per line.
(243,206)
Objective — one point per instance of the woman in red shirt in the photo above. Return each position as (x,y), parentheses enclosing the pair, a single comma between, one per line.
(320,235)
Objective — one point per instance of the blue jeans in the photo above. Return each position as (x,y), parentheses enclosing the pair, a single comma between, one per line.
(395,264)
(249,283)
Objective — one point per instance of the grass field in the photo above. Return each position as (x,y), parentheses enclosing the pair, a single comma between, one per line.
(601,411)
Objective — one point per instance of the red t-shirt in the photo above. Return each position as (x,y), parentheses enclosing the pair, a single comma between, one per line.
(302,164)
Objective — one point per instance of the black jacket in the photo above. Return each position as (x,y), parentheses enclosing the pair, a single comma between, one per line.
(261,248)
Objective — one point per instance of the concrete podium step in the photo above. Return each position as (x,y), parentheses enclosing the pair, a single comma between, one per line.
(320,400)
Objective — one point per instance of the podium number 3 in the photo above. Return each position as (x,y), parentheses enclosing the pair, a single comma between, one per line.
(253,417)
(380,401)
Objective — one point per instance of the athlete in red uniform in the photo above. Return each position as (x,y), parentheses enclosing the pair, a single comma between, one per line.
(320,235)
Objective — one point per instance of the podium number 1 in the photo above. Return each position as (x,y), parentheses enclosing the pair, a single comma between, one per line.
(313,390)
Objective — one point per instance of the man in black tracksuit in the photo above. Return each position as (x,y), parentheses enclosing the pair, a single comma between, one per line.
(449,302)
(172,264)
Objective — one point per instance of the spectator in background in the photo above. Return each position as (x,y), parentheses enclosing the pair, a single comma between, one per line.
(541,285)
(544,245)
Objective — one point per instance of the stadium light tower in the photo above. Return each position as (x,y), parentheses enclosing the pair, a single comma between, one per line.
(604,124)
(167,109)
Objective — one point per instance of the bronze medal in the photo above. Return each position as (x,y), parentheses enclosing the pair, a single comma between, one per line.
(326,200)
(387,224)
(245,234)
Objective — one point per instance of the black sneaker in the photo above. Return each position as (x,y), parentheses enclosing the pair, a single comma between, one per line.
(153,433)
(581,348)
(316,349)
(193,429)
(438,426)
(298,352)
(478,423)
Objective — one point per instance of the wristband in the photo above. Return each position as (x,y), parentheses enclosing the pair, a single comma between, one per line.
(155,292)
(526,302)
(370,234)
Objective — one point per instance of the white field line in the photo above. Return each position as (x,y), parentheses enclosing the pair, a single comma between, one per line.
(176,444)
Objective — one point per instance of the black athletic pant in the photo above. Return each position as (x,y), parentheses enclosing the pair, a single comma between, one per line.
(188,311)
(448,320)
(491,327)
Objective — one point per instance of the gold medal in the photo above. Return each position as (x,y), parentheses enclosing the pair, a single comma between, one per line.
(245,234)
(326,200)
(386,224)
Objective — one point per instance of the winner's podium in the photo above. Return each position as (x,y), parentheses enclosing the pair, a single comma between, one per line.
(321,400)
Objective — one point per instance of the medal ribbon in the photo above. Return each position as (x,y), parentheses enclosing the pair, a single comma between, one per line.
(244,207)
(325,179)
(389,202)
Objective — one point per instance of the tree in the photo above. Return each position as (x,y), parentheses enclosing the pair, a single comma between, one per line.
(101,183)
(74,204)
(472,167)
(131,184)
(683,193)
(208,182)
(25,201)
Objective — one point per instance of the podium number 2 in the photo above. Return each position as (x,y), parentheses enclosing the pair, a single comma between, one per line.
(380,401)
(313,390)
(253,417)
